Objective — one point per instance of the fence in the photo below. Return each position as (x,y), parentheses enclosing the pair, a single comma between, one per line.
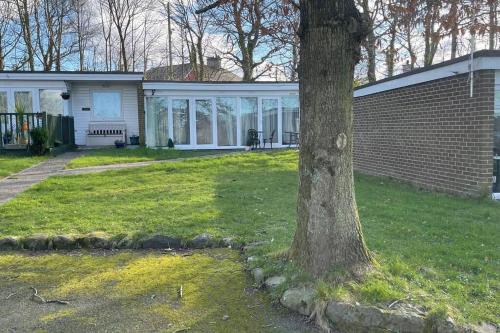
(15,128)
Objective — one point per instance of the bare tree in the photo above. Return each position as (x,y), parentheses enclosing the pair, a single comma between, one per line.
(9,35)
(24,11)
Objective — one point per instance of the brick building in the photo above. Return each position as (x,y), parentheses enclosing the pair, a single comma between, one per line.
(436,127)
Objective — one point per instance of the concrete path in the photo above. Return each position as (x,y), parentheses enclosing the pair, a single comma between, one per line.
(21,181)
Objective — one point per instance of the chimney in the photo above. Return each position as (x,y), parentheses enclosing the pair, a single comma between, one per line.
(214,62)
(406,67)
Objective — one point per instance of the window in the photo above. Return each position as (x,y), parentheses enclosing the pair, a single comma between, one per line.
(3,102)
(226,121)
(497,121)
(204,122)
(23,100)
(249,115)
(107,105)
(51,102)
(290,119)
(270,118)
(157,120)
(180,114)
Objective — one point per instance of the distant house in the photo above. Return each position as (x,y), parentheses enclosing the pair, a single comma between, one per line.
(212,71)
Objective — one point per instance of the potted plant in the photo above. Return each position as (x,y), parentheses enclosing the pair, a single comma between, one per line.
(134,140)
(7,137)
(22,125)
(119,143)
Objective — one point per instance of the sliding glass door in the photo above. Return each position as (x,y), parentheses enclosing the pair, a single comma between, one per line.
(248,117)
(290,119)
(204,119)
(226,121)
(180,115)
(157,121)
(270,119)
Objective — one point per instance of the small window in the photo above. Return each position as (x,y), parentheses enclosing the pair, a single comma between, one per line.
(23,101)
(107,105)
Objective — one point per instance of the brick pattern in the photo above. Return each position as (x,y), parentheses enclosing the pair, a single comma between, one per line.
(141,114)
(431,134)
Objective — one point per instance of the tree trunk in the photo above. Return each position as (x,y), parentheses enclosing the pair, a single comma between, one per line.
(170,65)
(328,231)
(370,43)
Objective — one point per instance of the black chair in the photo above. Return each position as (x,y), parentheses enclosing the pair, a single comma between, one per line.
(270,139)
(253,138)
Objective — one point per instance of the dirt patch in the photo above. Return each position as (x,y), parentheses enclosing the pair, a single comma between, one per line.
(121,291)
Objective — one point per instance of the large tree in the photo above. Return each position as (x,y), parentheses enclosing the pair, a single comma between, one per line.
(328,234)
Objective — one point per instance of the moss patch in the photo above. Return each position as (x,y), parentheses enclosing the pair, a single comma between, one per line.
(135,290)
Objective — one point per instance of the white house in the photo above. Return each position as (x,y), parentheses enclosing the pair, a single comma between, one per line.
(99,101)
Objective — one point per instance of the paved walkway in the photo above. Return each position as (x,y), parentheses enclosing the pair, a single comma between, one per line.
(21,181)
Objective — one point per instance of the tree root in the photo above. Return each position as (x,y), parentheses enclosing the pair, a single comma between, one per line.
(46,301)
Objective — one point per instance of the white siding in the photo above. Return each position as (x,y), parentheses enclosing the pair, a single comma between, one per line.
(81,97)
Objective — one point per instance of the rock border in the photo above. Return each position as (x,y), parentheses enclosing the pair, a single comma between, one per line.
(338,316)
(96,240)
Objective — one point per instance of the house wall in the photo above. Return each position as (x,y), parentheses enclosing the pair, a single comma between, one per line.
(81,97)
(431,134)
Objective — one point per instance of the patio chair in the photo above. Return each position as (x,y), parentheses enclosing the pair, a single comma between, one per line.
(270,139)
(253,138)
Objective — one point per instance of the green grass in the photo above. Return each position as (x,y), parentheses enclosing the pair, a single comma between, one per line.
(433,249)
(106,156)
(11,163)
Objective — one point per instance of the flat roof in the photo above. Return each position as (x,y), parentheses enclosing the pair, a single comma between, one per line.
(215,85)
(484,59)
(71,76)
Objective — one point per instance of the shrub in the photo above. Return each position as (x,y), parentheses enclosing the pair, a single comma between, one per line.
(39,137)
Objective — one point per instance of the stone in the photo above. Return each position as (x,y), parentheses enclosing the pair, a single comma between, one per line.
(202,241)
(161,242)
(274,282)
(64,242)
(9,243)
(251,259)
(36,242)
(484,328)
(229,242)
(254,245)
(95,241)
(258,276)
(362,318)
(124,243)
(300,300)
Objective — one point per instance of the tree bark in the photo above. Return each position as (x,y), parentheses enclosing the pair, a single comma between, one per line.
(328,234)
(492,23)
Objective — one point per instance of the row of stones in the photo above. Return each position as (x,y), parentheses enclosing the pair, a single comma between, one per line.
(40,242)
(354,317)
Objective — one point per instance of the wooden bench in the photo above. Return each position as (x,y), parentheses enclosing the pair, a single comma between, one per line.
(105,134)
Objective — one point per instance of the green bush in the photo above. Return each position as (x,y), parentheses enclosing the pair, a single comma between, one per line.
(39,137)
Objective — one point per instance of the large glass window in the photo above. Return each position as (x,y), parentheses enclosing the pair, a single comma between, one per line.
(497,120)
(180,114)
(226,121)
(249,115)
(204,122)
(51,102)
(23,100)
(290,119)
(3,102)
(107,105)
(270,119)
(157,120)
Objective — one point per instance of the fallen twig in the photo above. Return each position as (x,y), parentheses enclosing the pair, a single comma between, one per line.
(45,301)
(10,295)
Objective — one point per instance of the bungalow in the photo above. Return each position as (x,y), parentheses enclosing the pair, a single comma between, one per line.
(438,127)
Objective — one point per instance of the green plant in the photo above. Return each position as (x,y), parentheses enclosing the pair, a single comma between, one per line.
(170,143)
(20,109)
(39,137)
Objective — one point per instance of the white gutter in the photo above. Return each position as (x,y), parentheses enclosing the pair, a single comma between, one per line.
(197,86)
(52,76)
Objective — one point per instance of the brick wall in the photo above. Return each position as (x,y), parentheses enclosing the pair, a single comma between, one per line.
(141,114)
(431,134)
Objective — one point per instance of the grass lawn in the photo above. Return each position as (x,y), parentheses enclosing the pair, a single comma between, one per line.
(434,249)
(105,156)
(11,163)
(135,291)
